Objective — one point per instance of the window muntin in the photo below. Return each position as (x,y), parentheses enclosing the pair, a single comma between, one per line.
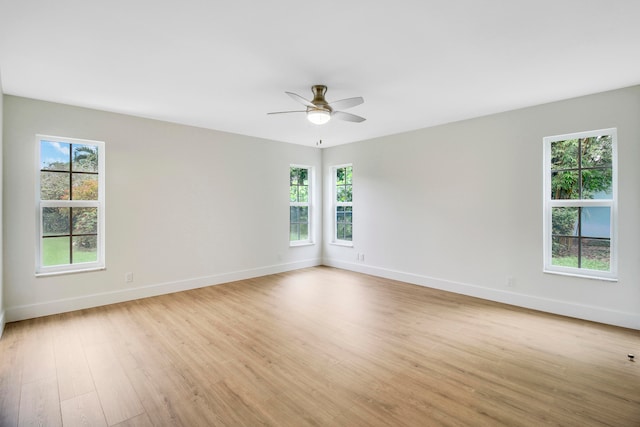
(70,200)
(343,203)
(580,204)
(299,204)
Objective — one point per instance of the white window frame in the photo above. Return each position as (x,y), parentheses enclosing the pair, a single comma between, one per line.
(612,204)
(336,204)
(308,204)
(99,264)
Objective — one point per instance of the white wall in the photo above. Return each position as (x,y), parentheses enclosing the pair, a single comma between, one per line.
(456,207)
(186,207)
(459,207)
(2,311)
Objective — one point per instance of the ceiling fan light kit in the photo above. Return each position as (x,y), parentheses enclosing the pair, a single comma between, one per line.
(319,111)
(318,116)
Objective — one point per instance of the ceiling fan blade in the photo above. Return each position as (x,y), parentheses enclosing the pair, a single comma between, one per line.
(347,116)
(285,112)
(300,99)
(343,104)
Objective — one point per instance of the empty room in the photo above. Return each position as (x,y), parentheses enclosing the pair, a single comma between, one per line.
(414,213)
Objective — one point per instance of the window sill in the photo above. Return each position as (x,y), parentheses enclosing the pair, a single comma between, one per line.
(342,243)
(581,276)
(59,273)
(297,244)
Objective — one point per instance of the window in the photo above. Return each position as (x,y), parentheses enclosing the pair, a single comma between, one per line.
(343,199)
(70,202)
(580,211)
(299,205)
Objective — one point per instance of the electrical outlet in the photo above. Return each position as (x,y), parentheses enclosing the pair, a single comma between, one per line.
(128,277)
(362,257)
(511,282)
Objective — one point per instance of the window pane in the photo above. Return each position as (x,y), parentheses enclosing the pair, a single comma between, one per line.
(293,214)
(596,254)
(85,158)
(299,176)
(55,221)
(54,186)
(340,213)
(85,220)
(347,218)
(293,176)
(340,176)
(294,232)
(85,249)
(564,154)
(344,193)
(303,193)
(293,193)
(54,155)
(303,214)
(55,251)
(597,184)
(304,232)
(347,232)
(340,231)
(564,185)
(564,221)
(596,222)
(597,151)
(85,187)
(565,251)
(348,174)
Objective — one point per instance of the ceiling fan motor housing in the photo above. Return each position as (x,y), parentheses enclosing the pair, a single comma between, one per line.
(318,98)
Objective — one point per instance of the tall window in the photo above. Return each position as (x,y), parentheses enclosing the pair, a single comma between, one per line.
(580,211)
(70,205)
(343,199)
(299,205)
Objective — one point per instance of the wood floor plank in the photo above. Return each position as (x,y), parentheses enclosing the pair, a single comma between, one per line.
(141,420)
(168,396)
(316,347)
(10,375)
(83,410)
(117,396)
(40,403)
(39,358)
(74,376)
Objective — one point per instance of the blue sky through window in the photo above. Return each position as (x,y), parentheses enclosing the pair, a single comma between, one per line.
(52,152)
(596,221)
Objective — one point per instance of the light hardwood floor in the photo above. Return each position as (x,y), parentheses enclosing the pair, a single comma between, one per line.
(318,346)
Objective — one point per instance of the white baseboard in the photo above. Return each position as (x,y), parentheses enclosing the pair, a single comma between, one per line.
(563,308)
(595,314)
(29,311)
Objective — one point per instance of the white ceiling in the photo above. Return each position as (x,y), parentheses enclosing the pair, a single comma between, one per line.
(224,64)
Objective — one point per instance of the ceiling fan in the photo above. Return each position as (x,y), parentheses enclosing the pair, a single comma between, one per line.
(319,111)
